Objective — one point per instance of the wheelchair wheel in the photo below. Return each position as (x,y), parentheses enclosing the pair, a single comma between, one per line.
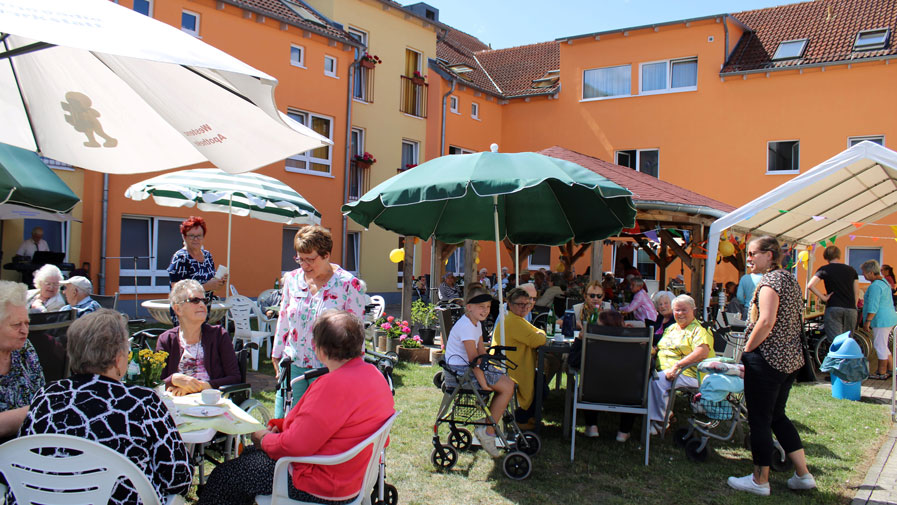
(390,495)
(444,457)
(460,439)
(255,409)
(517,465)
(821,350)
(531,443)
(691,450)
(437,380)
(682,436)
(393,355)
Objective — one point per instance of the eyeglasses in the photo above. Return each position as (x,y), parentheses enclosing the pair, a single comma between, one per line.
(195,300)
(521,304)
(596,295)
(194,237)
(307,261)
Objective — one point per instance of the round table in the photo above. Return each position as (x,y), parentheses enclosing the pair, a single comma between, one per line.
(159,310)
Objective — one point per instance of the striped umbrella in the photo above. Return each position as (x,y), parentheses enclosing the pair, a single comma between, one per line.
(212,190)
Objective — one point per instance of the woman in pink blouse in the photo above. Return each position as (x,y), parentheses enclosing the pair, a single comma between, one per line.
(641,306)
(317,286)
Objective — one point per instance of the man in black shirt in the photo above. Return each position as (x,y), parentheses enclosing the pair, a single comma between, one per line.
(842,290)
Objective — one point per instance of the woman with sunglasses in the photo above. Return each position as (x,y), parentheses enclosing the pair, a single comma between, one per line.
(315,287)
(588,310)
(200,356)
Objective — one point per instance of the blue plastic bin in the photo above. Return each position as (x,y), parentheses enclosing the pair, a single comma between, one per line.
(845,390)
(845,347)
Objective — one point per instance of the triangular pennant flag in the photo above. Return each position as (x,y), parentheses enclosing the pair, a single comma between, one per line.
(675,232)
(651,235)
(857,225)
(854,236)
(782,211)
(818,218)
(832,240)
(875,239)
(894,229)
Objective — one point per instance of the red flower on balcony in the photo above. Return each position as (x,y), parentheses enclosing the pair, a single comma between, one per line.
(366,158)
(418,78)
(410,166)
(370,60)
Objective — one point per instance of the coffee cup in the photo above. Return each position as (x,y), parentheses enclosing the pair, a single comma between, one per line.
(211,396)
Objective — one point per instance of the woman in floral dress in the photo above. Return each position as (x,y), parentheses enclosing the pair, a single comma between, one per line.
(316,286)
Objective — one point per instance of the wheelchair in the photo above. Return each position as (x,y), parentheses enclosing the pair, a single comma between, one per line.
(465,404)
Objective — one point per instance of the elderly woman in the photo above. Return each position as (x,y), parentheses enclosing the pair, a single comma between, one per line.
(318,285)
(200,356)
(683,344)
(663,302)
(878,316)
(338,411)
(641,306)
(20,372)
(94,404)
(772,357)
(193,261)
(46,296)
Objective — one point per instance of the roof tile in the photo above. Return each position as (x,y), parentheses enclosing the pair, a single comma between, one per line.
(281,9)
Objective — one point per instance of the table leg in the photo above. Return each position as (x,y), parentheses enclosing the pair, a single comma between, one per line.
(568,406)
(540,385)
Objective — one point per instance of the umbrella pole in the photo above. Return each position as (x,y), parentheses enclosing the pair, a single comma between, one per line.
(230,215)
(501,304)
(517,265)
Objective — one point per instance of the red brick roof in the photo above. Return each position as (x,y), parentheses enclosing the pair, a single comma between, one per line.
(830,25)
(281,10)
(644,187)
(505,72)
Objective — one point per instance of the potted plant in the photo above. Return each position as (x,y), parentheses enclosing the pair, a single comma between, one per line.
(370,60)
(151,366)
(365,160)
(395,329)
(423,314)
(411,350)
(418,79)
(437,354)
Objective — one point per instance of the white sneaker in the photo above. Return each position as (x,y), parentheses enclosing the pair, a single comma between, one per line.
(747,483)
(592,431)
(622,437)
(487,441)
(655,429)
(797,482)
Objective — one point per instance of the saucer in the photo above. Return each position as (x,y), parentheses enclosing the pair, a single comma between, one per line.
(204,411)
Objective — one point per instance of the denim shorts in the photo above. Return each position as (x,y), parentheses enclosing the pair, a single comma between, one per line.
(493,374)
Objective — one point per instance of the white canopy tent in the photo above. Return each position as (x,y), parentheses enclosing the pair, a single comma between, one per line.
(859,185)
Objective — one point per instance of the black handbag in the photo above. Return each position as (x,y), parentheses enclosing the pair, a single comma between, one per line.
(807,373)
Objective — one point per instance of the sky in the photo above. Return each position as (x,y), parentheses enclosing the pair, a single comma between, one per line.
(509,23)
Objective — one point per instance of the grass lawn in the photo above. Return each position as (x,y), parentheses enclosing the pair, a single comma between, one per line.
(841,440)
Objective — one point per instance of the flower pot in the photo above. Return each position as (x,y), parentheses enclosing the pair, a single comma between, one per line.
(436,355)
(363,164)
(415,355)
(427,335)
(392,344)
(418,81)
(368,64)
(381,341)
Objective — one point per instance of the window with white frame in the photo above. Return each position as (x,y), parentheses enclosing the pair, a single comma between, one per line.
(329,66)
(190,23)
(360,89)
(317,160)
(453,104)
(540,258)
(856,256)
(356,173)
(144,7)
(878,139)
(790,49)
(783,156)
(297,56)
(288,250)
(459,150)
(641,160)
(410,150)
(669,75)
(148,243)
(353,252)
(475,110)
(607,82)
(646,267)
(872,39)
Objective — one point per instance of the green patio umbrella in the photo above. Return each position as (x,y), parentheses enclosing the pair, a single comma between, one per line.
(210,189)
(527,197)
(27,183)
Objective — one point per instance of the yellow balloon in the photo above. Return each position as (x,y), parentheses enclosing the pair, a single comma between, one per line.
(396,255)
(560,267)
(726,248)
(803,256)
(478,248)
(477,261)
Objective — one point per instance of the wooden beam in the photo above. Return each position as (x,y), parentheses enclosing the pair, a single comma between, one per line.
(667,238)
(643,243)
(670,218)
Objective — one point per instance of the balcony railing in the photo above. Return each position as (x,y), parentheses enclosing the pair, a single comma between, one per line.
(363,88)
(414,97)
(359,180)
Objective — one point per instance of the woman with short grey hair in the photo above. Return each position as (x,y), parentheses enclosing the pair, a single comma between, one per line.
(21,375)
(95,405)
(878,316)
(663,302)
(46,296)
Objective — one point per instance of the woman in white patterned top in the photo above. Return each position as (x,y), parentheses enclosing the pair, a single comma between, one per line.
(318,285)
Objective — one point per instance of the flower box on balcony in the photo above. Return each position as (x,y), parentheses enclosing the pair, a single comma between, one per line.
(368,64)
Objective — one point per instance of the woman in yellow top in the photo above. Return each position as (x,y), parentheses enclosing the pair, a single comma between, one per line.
(683,344)
(526,338)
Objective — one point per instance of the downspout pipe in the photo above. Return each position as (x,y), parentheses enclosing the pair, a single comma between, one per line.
(104,219)
(434,281)
(349,97)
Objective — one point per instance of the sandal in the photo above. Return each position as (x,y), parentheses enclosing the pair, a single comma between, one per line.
(879,377)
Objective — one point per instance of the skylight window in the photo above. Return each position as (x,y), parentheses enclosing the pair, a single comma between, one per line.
(461,69)
(790,49)
(872,39)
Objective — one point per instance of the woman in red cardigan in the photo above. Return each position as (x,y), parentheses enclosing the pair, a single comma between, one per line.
(200,356)
(338,411)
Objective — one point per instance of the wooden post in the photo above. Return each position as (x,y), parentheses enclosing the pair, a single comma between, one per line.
(697,273)
(470,254)
(597,260)
(407,277)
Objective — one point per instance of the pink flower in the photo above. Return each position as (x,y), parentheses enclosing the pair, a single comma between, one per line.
(417,338)
(386,326)
(403,337)
(404,323)
(390,319)
(406,329)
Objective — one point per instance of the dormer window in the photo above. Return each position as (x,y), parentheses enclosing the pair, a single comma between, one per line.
(460,69)
(790,49)
(547,80)
(872,39)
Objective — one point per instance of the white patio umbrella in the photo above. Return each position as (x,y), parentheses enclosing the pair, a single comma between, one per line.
(255,195)
(102,87)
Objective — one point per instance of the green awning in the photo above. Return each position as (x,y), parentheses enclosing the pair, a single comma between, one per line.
(26,180)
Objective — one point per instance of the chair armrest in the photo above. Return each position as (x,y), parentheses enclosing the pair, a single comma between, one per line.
(174,499)
(282,473)
(230,389)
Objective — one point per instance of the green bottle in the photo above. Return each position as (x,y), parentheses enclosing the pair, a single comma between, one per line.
(551,322)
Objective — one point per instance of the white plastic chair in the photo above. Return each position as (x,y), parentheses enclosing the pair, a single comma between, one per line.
(241,310)
(88,477)
(265,322)
(282,474)
(381,306)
